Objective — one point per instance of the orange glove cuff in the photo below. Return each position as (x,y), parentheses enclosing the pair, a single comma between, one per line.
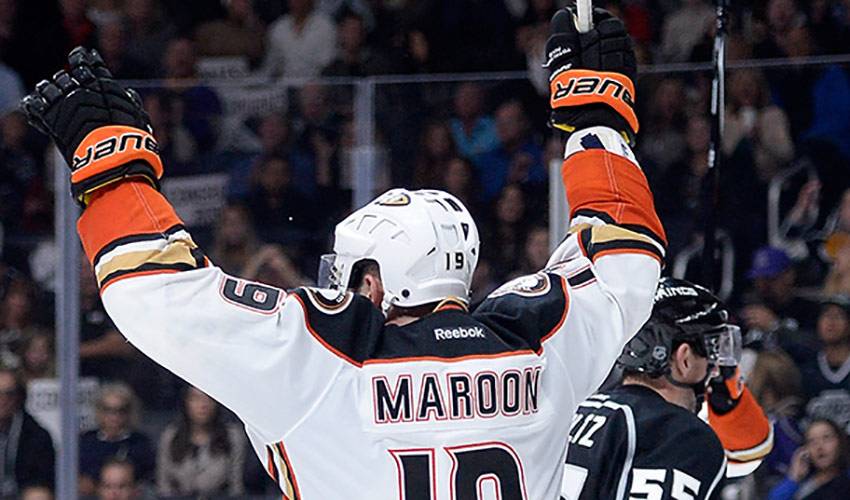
(109,147)
(578,87)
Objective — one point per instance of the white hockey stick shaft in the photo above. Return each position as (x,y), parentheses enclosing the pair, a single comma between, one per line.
(584,15)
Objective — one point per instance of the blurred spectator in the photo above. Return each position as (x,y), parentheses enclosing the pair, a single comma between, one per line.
(517,158)
(104,353)
(301,43)
(684,28)
(17,306)
(37,359)
(838,279)
(354,57)
(177,146)
(199,107)
(773,298)
(117,415)
(777,385)
(826,377)
(504,237)
(27,205)
(240,34)
(535,252)
(797,227)
(79,30)
(316,132)
(677,191)
(473,131)
(279,211)
(459,179)
(275,138)
(11,89)
(774,314)
(36,493)
(118,480)
(235,240)
(753,122)
(819,467)
(782,16)
(26,448)
(272,266)
(149,31)
(200,454)
(837,228)
(436,150)
(816,99)
(531,35)
(486,34)
(535,23)
(112,44)
(662,142)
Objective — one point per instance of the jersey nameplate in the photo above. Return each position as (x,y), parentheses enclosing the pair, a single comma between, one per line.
(429,397)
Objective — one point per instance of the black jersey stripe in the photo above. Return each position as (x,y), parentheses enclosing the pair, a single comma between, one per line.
(581,278)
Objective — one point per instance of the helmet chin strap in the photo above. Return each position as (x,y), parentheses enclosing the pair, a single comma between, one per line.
(698,388)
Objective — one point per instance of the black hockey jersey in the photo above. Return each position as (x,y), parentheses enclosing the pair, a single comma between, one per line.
(827,390)
(632,443)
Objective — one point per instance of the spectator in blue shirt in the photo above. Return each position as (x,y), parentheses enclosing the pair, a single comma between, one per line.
(516,159)
(473,131)
(819,467)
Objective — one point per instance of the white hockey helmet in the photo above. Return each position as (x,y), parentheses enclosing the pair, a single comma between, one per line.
(425,243)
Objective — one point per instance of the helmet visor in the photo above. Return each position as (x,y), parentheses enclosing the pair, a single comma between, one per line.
(724,345)
(329,274)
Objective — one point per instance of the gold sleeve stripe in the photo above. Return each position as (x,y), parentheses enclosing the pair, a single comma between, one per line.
(609,238)
(179,255)
(286,479)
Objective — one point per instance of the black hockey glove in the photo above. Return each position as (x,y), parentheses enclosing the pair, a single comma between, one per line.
(725,390)
(99,126)
(591,75)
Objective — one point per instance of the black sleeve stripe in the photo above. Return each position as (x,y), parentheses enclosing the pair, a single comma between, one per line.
(581,278)
(597,248)
(145,267)
(135,238)
(586,212)
(644,231)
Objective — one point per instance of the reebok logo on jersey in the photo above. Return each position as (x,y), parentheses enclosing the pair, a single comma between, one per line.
(475,332)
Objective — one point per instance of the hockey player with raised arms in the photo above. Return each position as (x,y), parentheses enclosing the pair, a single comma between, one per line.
(385,366)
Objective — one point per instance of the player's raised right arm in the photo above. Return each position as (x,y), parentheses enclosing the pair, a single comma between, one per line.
(613,223)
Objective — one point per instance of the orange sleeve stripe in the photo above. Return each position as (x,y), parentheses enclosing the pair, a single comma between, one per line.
(599,181)
(744,428)
(124,209)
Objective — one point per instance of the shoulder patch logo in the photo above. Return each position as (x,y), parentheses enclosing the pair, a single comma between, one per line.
(329,301)
(532,285)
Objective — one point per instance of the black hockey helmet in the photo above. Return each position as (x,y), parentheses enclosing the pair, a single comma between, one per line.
(683,312)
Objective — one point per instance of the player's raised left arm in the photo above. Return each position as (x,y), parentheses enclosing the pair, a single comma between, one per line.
(234,339)
(613,223)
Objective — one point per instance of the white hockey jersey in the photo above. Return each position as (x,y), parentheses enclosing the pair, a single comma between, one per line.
(455,405)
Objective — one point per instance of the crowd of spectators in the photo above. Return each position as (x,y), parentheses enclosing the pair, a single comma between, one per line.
(259,92)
